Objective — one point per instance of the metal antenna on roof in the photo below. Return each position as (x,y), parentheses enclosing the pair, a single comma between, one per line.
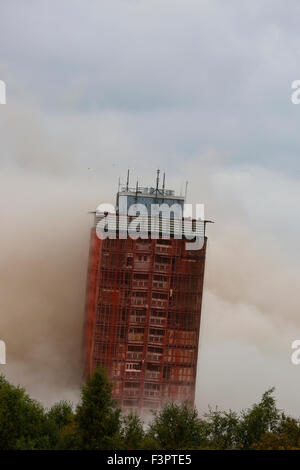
(157,182)
(186,186)
(136,190)
(127,183)
(164,181)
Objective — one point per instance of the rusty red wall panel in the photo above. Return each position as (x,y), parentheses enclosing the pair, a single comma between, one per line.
(91,299)
(143,318)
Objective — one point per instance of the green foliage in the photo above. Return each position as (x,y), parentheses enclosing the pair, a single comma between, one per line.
(222,429)
(97,418)
(97,424)
(177,427)
(69,438)
(258,420)
(61,414)
(23,422)
(59,417)
(286,437)
(230,430)
(289,429)
(133,434)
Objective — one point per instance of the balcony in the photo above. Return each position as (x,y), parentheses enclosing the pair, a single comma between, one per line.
(137,320)
(160,321)
(161,267)
(129,392)
(160,303)
(141,265)
(143,247)
(152,393)
(151,374)
(142,301)
(135,337)
(153,357)
(134,355)
(132,374)
(159,285)
(163,249)
(156,339)
(140,284)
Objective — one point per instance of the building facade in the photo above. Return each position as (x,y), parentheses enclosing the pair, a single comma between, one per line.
(143,310)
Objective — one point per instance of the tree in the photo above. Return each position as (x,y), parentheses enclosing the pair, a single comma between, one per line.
(133,434)
(260,419)
(69,438)
(290,428)
(59,418)
(96,424)
(177,427)
(286,437)
(23,423)
(97,418)
(222,429)
(61,414)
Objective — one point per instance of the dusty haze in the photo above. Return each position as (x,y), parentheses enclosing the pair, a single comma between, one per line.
(251,288)
(200,89)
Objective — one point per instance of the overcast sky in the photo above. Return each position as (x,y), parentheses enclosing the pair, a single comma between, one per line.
(199,88)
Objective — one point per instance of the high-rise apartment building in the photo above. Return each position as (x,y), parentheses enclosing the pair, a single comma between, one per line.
(143,303)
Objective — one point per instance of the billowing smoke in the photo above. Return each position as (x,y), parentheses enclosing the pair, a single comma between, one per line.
(54,170)
(45,198)
(44,249)
(57,168)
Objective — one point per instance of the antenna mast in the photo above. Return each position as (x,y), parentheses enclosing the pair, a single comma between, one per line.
(157,182)
(136,190)
(186,186)
(164,181)
(127,183)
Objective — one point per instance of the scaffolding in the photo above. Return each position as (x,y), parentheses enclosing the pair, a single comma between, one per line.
(142,321)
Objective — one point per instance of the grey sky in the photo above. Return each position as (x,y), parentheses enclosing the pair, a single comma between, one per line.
(218,71)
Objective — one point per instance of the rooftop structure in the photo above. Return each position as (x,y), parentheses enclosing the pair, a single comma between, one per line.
(143,306)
